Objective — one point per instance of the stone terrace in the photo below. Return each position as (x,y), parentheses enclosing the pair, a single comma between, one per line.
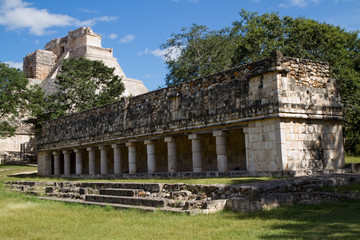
(192,198)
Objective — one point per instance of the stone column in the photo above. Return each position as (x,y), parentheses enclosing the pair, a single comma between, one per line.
(132,156)
(171,149)
(56,163)
(47,163)
(117,158)
(196,152)
(92,156)
(67,162)
(221,152)
(103,160)
(150,150)
(78,160)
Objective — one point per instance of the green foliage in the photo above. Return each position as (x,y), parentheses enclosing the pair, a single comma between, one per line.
(16,99)
(82,84)
(352,159)
(203,52)
(253,37)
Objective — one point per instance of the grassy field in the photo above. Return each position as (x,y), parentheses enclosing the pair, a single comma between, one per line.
(25,217)
(8,170)
(352,159)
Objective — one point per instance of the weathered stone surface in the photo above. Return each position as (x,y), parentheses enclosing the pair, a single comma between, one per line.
(42,66)
(284,114)
(83,42)
(243,197)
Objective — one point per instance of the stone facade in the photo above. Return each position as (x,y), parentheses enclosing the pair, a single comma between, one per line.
(277,114)
(42,66)
(83,42)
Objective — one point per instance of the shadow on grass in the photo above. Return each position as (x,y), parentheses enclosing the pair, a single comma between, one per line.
(25,175)
(206,181)
(327,220)
(237,181)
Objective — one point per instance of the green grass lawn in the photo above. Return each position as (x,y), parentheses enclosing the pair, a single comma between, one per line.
(353,188)
(352,159)
(26,217)
(8,170)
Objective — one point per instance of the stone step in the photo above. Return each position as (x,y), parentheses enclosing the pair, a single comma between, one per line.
(120,192)
(151,187)
(138,201)
(65,195)
(34,193)
(23,183)
(123,206)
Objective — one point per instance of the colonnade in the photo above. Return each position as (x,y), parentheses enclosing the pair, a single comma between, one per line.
(172,161)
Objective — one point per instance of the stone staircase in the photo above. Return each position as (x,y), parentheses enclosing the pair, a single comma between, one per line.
(146,197)
(193,199)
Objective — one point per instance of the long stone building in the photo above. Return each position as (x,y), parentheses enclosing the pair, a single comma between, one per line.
(274,115)
(42,66)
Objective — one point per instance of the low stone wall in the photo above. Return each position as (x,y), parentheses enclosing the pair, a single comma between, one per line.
(242,197)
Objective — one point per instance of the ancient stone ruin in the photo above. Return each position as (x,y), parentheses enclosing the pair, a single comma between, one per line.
(42,66)
(193,199)
(277,115)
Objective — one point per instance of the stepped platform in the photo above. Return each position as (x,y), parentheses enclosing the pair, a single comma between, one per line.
(192,199)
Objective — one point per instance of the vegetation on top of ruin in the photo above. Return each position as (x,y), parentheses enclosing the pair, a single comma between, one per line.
(252,37)
(16,99)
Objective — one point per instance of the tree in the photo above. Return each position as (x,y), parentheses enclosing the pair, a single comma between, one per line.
(82,84)
(253,37)
(203,52)
(17,99)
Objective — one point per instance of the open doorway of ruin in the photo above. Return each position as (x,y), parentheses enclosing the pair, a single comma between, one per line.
(235,140)
(183,153)
(208,152)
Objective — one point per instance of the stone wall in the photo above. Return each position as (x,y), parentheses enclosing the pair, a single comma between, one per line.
(263,142)
(39,64)
(287,109)
(312,144)
(305,87)
(251,91)
(199,102)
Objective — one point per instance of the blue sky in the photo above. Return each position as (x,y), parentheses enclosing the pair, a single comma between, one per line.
(135,29)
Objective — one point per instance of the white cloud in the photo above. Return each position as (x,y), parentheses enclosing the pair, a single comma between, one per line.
(298,3)
(146,51)
(93,21)
(17,15)
(148,75)
(15,64)
(113,36)
(171,53)
(158,53)
(127,39)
